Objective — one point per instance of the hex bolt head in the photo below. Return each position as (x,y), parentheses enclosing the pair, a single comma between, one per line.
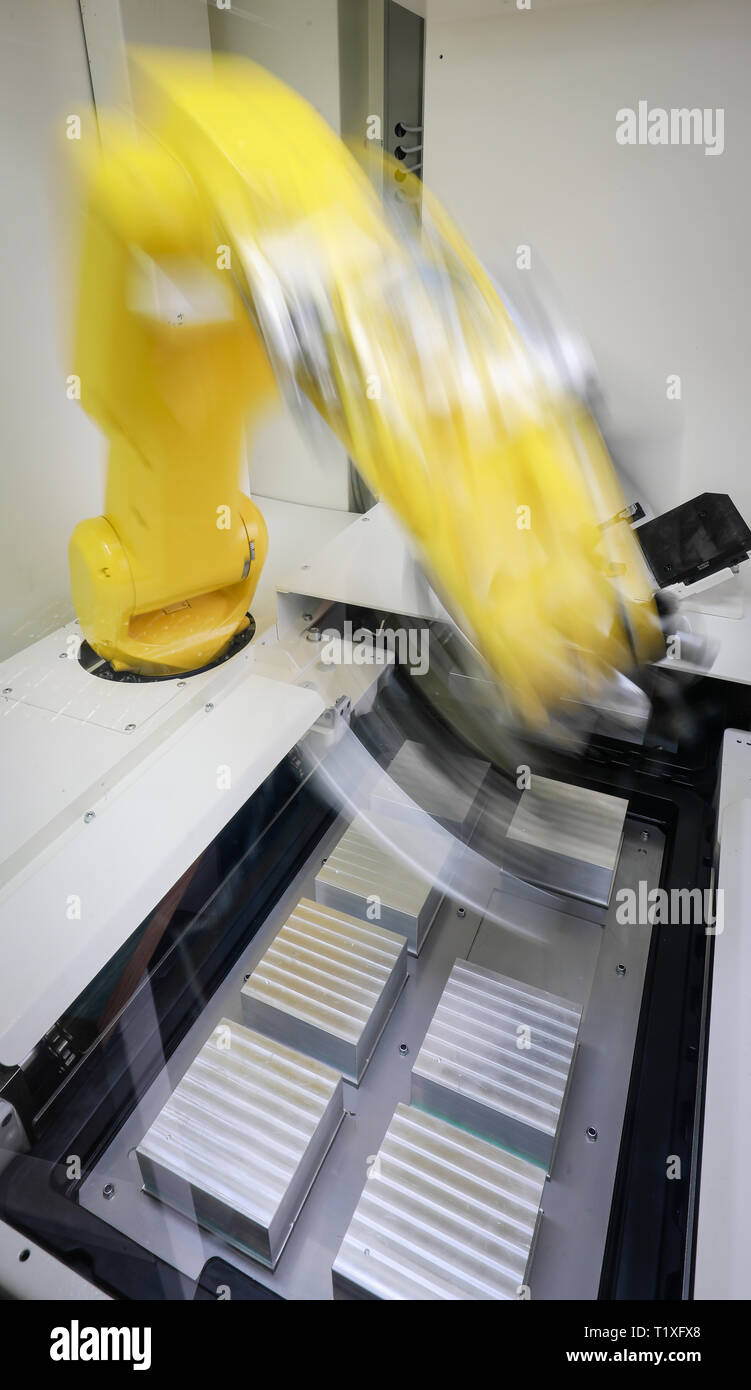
(620,969)
(313,634)
(89,817)
(591,1133)
(461,911)
(108,1190)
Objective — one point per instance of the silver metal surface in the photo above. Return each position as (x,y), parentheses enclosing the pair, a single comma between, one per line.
(415,784)
(566,838)
(242,1137)
(497,1060)
(443,1215)
(30,1273)
(553,950)
(361,876)
(327,985)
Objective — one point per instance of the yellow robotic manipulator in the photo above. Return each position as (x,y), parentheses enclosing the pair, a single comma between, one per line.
(233,243)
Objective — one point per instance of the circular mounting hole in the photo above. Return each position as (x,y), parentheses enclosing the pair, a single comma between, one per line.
(591,1134)
(24,1255)
(403,1049)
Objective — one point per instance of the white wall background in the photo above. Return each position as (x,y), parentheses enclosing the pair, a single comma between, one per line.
(297,40)
(51,454)
(648,246)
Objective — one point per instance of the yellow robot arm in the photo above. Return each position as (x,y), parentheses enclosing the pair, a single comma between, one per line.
(398,339)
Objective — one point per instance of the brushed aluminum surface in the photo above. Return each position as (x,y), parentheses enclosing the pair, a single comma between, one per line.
(567,839)
(558,951)
(241,1138)
(327,985)
(362,875)
(497,1058)
(416,787)
(443,1215)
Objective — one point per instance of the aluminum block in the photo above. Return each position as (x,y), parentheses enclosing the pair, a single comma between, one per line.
(363,869)
(443,1215)
(497,1058)
(416,789)
(327,985)
(566,839)
(239,1142)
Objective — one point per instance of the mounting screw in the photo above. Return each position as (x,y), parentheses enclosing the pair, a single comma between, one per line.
(620,969)
(645,834)
(63,656)
(461,911)
(366,518)
(307,617)
(591,1133)
(305,567)
(313,634)
(129,728)
(89,817)
(108,1190)
(403,1049)
(181,684)
(209,707)
(246,978)
(8,690)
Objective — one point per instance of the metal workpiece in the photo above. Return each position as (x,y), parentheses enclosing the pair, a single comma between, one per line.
(497,1059)
(443,1215)
(558,950)
(239,1142)
(566,839)
(363,875)
(327,985)
(416,789)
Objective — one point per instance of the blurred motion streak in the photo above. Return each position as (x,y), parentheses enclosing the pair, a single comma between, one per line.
(233,241)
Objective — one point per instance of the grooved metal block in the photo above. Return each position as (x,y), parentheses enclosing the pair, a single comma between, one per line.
(327,985)
(497,1058)
(445,791)
(566,839)
(443,1215)
(239,1142)
(362,870)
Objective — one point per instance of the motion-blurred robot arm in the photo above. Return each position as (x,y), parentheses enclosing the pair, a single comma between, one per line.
(233,246)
